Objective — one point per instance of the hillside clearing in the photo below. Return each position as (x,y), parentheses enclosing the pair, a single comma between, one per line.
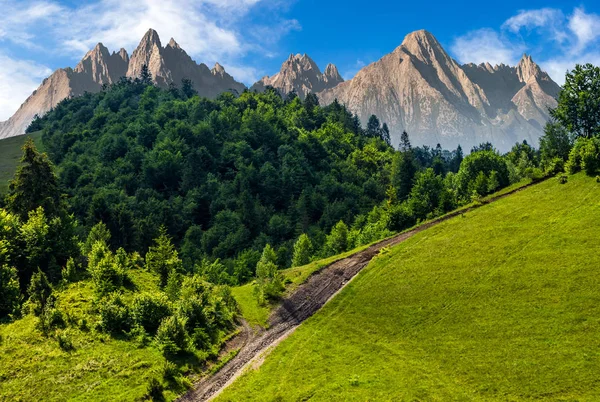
(500,304)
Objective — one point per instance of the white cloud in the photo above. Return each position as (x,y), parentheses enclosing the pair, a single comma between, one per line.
(209,30)
(586,28)
(485,45)
(557,41)
(18,79)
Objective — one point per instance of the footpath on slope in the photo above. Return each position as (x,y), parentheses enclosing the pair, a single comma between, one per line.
(308,298)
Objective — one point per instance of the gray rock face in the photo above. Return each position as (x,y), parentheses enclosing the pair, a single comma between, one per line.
(301,74)
(421,89)
(167,65)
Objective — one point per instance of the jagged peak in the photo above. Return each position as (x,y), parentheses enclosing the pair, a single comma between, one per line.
(218,69)
(174,44)
(331,72)
(421,37)
(527,68)
(123,54)
(150,38)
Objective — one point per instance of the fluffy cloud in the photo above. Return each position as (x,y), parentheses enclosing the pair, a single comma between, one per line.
(18,79)
(557,40)
(209,30)
(485,45)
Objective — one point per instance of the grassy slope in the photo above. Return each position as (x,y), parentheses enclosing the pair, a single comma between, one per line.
(256,314)
(501,304)
(10,155)
(100,367)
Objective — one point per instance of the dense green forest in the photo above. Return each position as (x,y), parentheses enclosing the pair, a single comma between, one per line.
(206,194)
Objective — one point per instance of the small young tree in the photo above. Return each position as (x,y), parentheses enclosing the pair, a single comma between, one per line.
(405,142)
(40,293)
(337,241)
(302,251)
(268,278)
(99,232)
(10,292)
(162,258)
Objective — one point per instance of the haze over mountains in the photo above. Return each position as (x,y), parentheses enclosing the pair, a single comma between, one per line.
(418,88)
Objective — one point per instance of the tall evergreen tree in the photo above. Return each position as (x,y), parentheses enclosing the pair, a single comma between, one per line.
(373,126)
(404,169)
(385,134)
(35,185)
(405,142)
(145,75)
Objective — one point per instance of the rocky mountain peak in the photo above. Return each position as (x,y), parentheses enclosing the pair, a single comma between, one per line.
(332,73)
(167,65)
(527,68)
(173,44)
(421,44)
(218,70)
(123,55)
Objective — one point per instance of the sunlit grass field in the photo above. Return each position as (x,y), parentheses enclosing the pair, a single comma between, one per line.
(502,303)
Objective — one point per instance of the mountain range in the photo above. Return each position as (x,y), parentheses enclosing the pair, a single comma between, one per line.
(418,88)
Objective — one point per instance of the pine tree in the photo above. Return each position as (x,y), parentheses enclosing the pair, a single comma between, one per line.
(404,169)
(187,88)
(40,292)
(35,185)
(145,75)
(405,142)
(373,126)
(385,134)
(162,258)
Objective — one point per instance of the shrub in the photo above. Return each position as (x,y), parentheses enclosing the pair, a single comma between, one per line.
(555,166)
(10,293)
(64,341)
(268,278)
(302,251)
(337,241)
(115,316)
(149,309)
(171,336)
(154,390)
(562,179)
(40,293)
(69,271)
(400,217)
(108,271)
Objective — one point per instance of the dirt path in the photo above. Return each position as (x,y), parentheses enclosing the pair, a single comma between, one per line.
(303,303)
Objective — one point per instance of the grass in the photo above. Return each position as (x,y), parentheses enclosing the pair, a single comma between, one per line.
(99,367)
(258,315)
(10,155)
(502,303)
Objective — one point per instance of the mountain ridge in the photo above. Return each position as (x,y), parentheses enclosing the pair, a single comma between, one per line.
(169,64)
(419,88)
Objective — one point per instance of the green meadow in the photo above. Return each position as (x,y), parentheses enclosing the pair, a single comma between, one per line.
(501,303)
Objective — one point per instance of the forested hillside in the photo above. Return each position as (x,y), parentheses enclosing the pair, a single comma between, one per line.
(151,203)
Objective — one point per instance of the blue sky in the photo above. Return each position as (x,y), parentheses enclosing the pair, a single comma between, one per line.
(251,38)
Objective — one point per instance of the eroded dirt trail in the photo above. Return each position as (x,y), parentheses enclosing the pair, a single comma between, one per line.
(308,298)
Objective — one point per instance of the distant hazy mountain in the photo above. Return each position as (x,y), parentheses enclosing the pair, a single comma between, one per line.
(418,88)
(168,64)
(301,74)
(421,89)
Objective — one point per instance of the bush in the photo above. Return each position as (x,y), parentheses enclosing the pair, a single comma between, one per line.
(555,166)
(149,309)
(302,251)
(401,217)
(154,390)
(107,271)
(64,341)
(171,336)
(337,241)
(40,293)
(10,293)
(115,316)
(562,179)
(69,271)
